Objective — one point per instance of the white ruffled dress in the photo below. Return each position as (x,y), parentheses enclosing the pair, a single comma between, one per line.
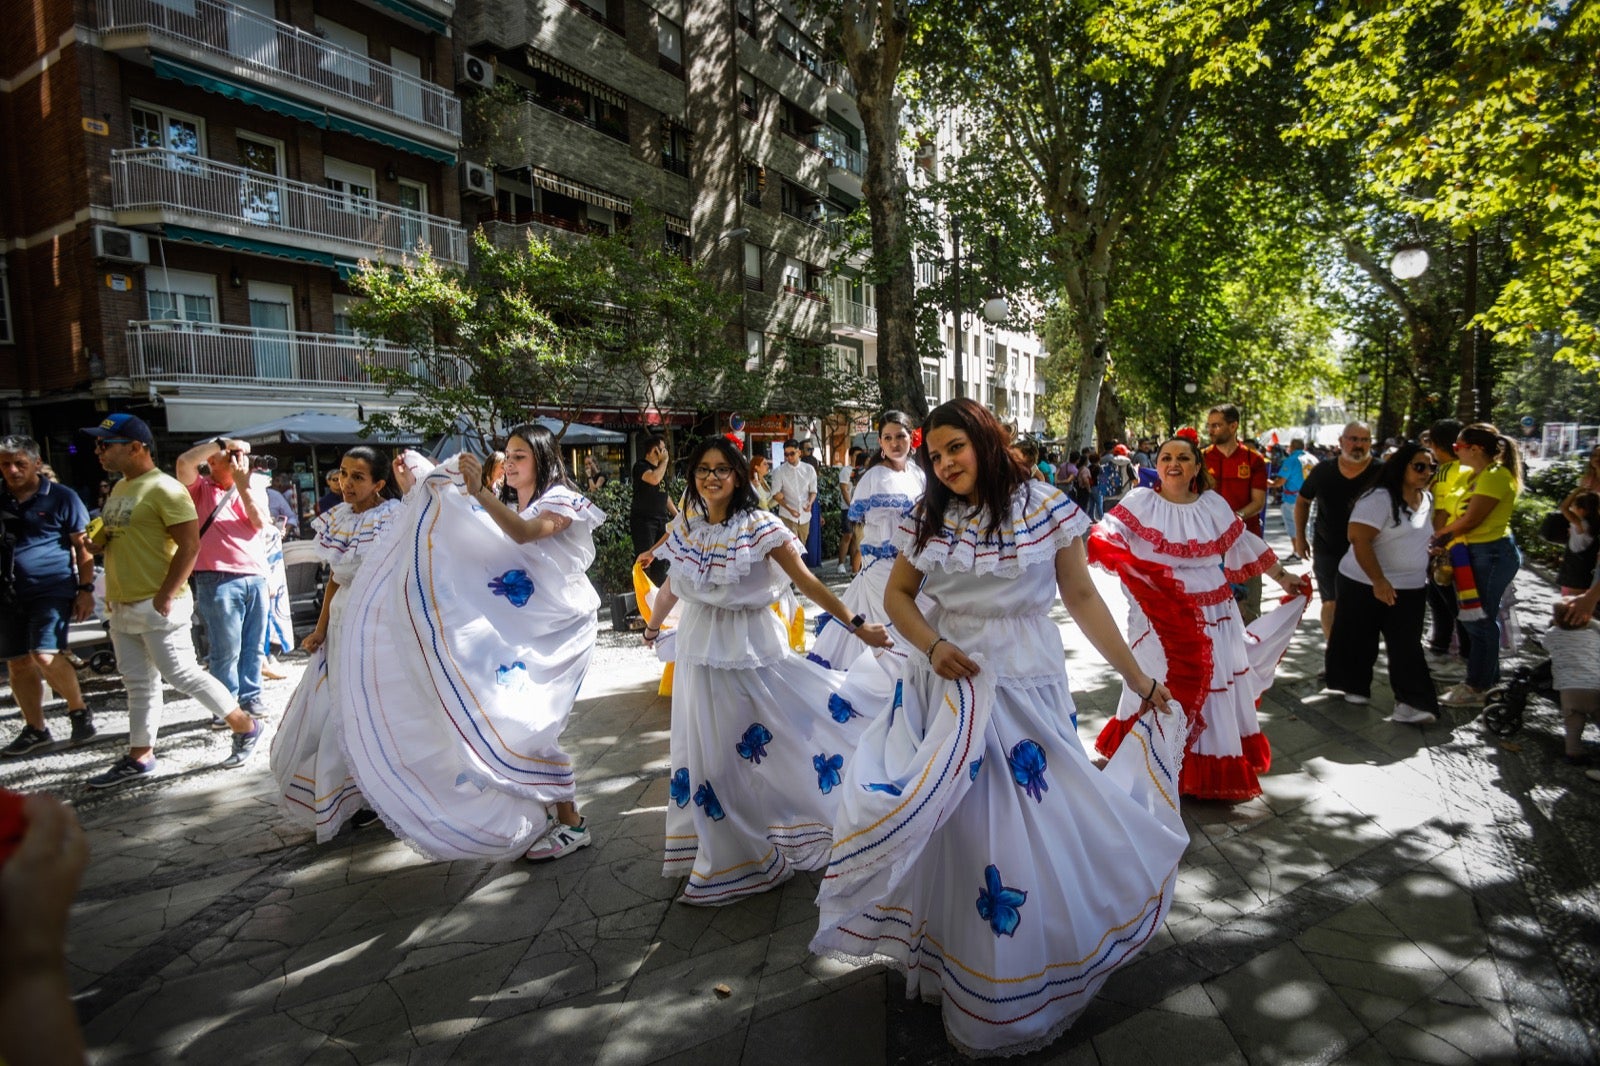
(976,847)
(1176,561)
(883,496)
(761,737)
(474,649)
(315,785)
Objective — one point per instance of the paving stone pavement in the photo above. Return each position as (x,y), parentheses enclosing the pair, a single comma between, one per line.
(1398,895)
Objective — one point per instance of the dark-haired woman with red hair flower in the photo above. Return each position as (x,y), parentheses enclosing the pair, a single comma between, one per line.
(1178,549)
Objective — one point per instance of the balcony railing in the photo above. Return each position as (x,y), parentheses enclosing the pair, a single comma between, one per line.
(177,351)
(856,315)
(196,188)
(837,75)
(840,155)
(513,233)
(286,56)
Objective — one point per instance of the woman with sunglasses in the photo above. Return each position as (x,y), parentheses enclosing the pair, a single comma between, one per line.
(1490,481)
(759,734)
(1382,583)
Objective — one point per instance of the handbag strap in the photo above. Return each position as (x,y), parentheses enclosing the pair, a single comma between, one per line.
(227,498)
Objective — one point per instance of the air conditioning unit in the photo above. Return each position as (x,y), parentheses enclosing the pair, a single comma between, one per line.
(477,180)
(477,71)
(123,244)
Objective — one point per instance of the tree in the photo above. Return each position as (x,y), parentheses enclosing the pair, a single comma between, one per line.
(568,327)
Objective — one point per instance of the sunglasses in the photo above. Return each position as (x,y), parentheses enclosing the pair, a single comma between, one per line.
(1425,468)
(106,442)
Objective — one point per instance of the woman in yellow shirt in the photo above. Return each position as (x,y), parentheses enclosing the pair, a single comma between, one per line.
(1490,481)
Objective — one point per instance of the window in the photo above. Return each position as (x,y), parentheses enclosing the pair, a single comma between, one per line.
(846,358)
(675,149)
(752,267)
(172,131)
(601,12)
(755,346)
(180,296)
(669,46)
(747,15)
(348,58)
(6,336)
(930,383)
(747,94)
(755,180)
(413,197)
(260,194)
(342,306)
(350,183)
(794,274)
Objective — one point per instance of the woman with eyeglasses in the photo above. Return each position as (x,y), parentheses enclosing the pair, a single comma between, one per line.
(1490,481)
(759,734)
(886,492)
(1382,583)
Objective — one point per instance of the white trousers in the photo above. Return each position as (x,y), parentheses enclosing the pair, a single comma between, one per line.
(151,646)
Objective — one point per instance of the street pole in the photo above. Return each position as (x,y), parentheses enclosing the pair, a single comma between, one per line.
(955,307)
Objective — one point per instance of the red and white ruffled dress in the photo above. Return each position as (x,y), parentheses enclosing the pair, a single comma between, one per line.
(1176,561)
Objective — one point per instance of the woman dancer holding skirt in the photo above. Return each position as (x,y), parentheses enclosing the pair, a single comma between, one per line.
(976,847)
(760,735)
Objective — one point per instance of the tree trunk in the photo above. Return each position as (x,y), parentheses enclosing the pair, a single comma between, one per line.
(873,45)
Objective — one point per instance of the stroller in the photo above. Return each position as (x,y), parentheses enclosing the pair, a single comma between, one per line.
(1505,704)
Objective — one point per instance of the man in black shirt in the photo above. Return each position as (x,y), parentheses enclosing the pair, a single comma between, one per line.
(1334,484)
(651,508)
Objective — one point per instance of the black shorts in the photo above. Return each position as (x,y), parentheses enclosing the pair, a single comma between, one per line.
(1325,567)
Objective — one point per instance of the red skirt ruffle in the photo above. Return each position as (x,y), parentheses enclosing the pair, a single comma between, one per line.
(1218,777)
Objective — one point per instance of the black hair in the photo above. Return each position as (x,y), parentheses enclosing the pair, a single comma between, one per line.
(1391,477)
(377,466)
(998,472)
(744,494)
(548,468)
(1444,432)
(1202,475)
(900,418)
(1228,411)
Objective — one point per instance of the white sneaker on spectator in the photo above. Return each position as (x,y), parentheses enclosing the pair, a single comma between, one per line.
(1406,714)
(1356,698)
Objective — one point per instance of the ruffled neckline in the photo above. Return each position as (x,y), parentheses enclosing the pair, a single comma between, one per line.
(342,528)
(1042,521)
(1203,527)
(706,553)
(561,500)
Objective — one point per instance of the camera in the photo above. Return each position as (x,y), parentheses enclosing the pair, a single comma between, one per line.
(265,464)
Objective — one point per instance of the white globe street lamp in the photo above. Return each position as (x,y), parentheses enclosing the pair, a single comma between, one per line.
(996,309)
(1409,261)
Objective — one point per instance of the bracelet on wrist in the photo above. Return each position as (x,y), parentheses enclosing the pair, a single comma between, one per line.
(937,641)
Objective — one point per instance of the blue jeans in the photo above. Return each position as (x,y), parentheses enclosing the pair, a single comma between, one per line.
(234,608)
(1286,508)
(1493,566)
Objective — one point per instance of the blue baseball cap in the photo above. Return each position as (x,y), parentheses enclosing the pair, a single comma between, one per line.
(123,426)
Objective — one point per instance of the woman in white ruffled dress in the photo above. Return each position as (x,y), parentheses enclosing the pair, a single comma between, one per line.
(315,786)
(479,621)
(976,846)
(884,494)
(760,736)
(1177,549)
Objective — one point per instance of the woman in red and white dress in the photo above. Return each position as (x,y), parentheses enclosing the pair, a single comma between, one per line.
(1178,549)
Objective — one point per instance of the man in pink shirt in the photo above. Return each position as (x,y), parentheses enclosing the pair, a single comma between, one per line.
(230,573)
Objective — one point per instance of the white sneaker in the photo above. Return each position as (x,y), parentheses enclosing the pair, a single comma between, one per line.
(558,841)
(1357,699)
(1406,714)
(1462,695)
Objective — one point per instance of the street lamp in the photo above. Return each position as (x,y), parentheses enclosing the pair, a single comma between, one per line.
(995,309)
(1363,379)
(1409,261)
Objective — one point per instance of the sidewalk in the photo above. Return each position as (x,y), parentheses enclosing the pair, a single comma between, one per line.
(1398,895)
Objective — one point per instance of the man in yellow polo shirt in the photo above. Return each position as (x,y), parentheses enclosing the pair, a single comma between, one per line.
(151,536)
(1447,505)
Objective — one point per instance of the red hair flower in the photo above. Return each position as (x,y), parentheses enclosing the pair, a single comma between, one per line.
(1189,434)
(916,438)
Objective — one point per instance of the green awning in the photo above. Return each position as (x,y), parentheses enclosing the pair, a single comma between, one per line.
(190,235)
(245,92)
(418,14)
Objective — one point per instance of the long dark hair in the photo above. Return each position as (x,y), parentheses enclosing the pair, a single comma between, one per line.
(1391,477)
(378,466)
(1501,448)
(898,417)
(999,473)
(744,494)
(548,469)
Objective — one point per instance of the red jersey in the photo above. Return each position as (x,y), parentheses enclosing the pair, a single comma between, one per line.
(1234,476)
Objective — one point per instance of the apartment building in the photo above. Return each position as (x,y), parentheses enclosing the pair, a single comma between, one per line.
(189,187)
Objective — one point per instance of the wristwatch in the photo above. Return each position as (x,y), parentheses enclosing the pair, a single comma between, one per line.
(858,621)
(88,587)
(221,442)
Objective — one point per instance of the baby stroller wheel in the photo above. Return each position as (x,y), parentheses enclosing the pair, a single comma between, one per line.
(103,662)
(1502,715)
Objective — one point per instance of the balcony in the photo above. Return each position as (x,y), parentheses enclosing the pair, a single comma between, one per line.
(220,48)
(232,207)
(513,234)
(837,75)
(176,352)
(846,165)
(852,318)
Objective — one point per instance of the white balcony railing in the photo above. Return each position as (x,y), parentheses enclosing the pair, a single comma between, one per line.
(188,352)
(285,57)
(856,315)
(837,75)
(198,189)
(840,154)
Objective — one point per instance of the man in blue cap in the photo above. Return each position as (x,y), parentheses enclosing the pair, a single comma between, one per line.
(151,537)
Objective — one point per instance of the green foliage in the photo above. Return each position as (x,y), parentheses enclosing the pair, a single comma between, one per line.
(1554,481)
(612,570)
(831,497)
(1526,517)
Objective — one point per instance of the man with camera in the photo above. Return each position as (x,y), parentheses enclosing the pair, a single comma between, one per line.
(230,573)
(46,582)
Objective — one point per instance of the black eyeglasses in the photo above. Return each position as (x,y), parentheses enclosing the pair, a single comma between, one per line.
(106,442)
(1425,468)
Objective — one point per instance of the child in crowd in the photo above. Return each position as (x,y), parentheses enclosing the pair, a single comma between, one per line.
(1582,511)
(1575,668)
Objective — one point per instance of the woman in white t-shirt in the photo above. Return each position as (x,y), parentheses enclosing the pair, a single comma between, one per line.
(1383,589)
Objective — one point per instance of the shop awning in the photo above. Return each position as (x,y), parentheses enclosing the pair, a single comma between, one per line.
(547,179)
(189,235)
(418,14)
